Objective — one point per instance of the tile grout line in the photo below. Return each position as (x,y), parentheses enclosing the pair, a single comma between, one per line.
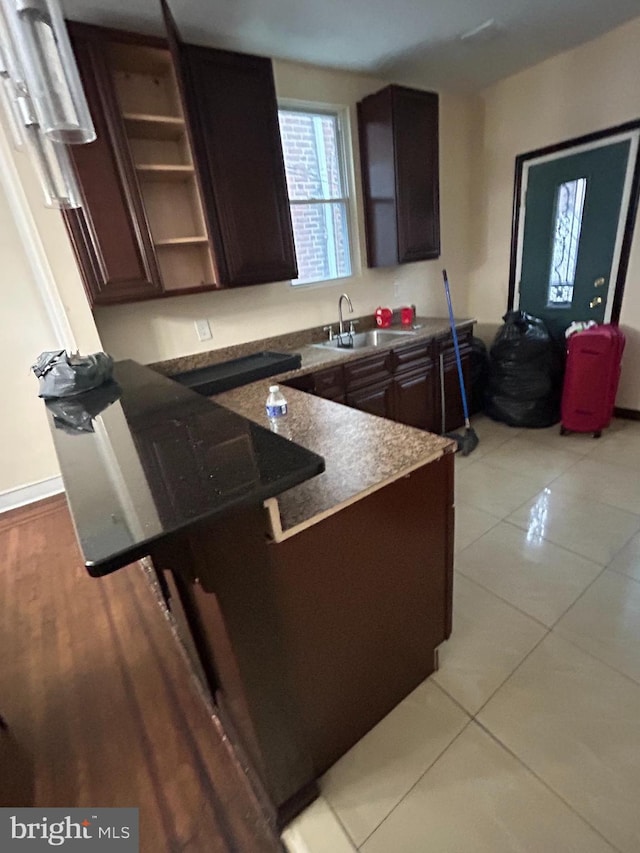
(575,645)
(422,775)
(504,600)
(565,547)
(455,553)
(511,674)
(506,518)
(546,785)
(339,822)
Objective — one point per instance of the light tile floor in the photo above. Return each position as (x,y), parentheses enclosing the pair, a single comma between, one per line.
(528,737)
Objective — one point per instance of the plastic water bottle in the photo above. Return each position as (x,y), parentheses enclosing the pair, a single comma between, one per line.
(276,405)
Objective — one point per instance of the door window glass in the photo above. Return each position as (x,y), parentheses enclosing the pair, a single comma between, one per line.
(566,238)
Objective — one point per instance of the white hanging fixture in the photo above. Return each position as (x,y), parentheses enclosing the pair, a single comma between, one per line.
(42,94)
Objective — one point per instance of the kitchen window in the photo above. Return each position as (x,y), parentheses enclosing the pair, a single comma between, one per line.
(317,184)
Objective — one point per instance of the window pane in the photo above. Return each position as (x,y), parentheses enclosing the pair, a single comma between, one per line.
(311,155)
(566,239)
(322,244)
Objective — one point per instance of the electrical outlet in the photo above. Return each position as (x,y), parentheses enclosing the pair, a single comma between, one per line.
(396,290)
(203,329)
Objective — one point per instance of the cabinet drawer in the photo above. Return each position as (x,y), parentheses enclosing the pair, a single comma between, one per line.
(447,351)
(365,371)
(302,383)
(410,353)
(464,340)
(327,382)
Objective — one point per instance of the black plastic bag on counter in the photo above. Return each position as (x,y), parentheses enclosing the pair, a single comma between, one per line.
(525,373)
(75,414)
(64,375)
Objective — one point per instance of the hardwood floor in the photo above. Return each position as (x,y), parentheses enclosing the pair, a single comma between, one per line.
(100,706)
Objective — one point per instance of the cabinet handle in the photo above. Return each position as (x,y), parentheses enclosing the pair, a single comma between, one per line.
(597,300)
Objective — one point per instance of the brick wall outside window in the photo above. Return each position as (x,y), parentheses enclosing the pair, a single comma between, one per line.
(315,224)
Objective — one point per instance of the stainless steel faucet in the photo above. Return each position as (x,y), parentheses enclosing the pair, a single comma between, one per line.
(343,296)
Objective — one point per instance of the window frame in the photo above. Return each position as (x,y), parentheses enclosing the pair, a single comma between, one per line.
(341,114)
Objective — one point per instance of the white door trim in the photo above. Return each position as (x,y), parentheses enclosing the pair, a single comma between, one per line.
(633,136)
(32,244)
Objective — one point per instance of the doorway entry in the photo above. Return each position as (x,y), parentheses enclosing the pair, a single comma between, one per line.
(574,211)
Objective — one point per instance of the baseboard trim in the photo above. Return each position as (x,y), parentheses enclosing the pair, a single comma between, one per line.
(629,414)
(32,492)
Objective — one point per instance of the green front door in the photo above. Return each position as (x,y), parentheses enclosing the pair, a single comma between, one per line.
(571,223)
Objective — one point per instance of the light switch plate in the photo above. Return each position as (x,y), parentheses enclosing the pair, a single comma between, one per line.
(203,329)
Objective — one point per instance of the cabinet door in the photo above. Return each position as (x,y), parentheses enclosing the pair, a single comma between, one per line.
(375,131)
(230,103)
(398,130)
(329,384)
(415,120)
(414,397)
(449,400)
(109,233)
(374,399)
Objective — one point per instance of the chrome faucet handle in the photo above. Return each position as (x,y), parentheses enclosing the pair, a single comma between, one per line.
(330,330)
(352,325)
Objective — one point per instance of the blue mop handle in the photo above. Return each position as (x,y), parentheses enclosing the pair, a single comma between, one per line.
(454,334)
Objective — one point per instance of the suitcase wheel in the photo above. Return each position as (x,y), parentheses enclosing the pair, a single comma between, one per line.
(597,434)
(563,430)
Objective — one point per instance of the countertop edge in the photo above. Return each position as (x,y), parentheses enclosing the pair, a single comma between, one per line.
(273,507)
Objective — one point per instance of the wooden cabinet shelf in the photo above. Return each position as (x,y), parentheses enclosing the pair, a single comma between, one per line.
(152,172)
(181,241)
(146,126)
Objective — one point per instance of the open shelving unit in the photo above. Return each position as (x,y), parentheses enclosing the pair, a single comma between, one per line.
(159,144)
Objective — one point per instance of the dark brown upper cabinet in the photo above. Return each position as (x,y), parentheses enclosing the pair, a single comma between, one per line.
(159,219)
(109,233)
(230,102)
(398,130)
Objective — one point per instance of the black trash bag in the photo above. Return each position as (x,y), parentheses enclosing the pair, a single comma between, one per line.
(479,375)
(525,373)
(75,414)
(63,375)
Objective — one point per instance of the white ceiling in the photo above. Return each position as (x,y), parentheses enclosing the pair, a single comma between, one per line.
(413,41)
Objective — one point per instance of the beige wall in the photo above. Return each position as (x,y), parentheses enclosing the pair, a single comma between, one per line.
(26,447)
(165,328)
(592,87)
(25,326)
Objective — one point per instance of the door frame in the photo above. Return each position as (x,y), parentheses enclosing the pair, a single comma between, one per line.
(630,197)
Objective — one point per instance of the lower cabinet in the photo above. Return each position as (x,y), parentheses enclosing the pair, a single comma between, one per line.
(414,396)
(291,643)
(450,413)
(415,384)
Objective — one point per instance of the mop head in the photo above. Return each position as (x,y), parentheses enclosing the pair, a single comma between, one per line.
(467,441)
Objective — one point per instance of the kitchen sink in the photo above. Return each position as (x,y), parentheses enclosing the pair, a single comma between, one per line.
(359,340)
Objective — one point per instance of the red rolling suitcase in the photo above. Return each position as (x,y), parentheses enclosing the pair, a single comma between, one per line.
(591,379)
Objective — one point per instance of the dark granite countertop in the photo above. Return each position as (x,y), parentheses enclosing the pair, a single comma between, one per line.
(162,458)
(363,453)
